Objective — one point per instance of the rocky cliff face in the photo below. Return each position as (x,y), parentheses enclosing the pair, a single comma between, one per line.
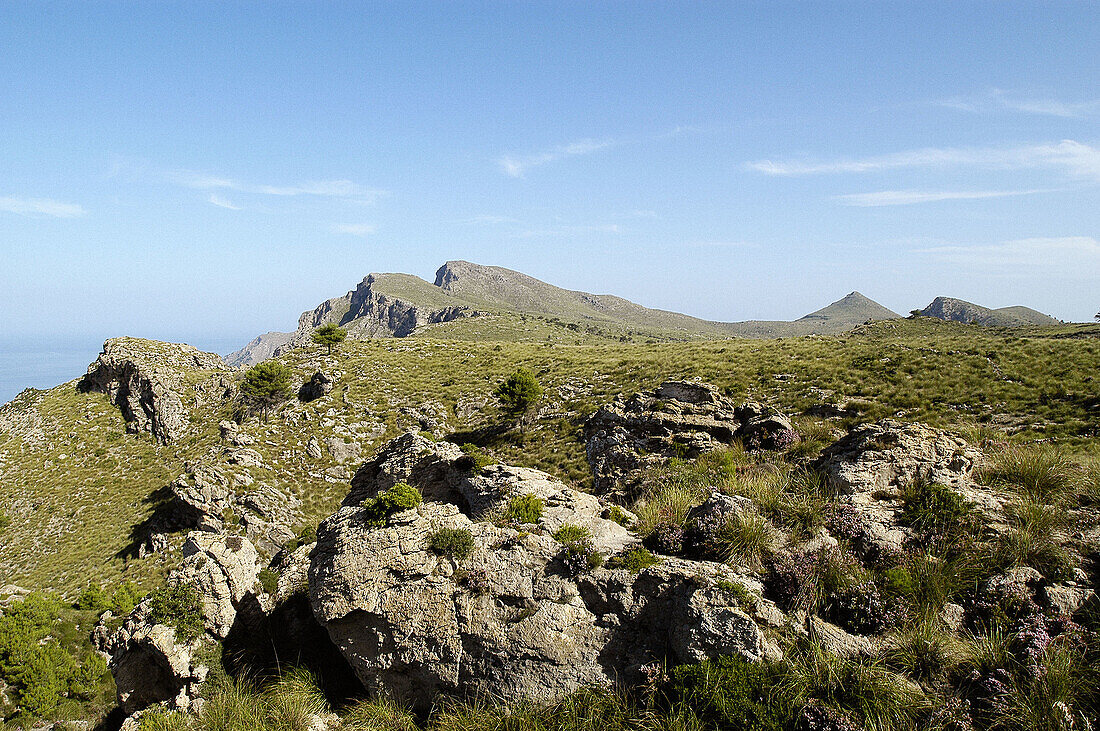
(956,310)
(147,380)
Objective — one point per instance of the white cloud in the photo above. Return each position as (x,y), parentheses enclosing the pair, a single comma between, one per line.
(1076,158)
(354,229)
(1080,254)
(40,207)
(485,219)
(515,166)
(222,202)
(910,197)
(323,188)
(998,99)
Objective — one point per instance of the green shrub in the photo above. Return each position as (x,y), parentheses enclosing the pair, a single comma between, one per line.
(569,533)
(306,535)
(5,521)
(633,560)
(518,392)
(618,515)
(745,538)
(475,459)
(398,498)
(525,509)
(456,543)
(739,593)
(92,599)
(924,651)
(269,581)
(124,598)
(178,607)
(728,693)
(933,509)
(266,384)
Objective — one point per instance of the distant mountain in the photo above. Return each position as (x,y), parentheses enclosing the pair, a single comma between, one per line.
(956,310)
(400,305)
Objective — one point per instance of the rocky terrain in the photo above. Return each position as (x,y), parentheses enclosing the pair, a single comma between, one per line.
(659,509)
(956,310)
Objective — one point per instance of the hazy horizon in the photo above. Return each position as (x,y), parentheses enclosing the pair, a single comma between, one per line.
(217,168)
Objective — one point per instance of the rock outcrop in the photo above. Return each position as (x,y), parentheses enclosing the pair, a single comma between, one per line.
(517,618)
(680,419)
(147,381)
(317,386)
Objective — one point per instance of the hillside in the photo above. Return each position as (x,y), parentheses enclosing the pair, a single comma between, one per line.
(956,310)
(472,301)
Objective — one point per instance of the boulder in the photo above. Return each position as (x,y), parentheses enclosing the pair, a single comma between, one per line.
(317,386)
(223,569)
(678,419)
(147,381)
(513,619)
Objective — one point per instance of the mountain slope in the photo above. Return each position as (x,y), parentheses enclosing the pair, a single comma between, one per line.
(956,310)
(477,302)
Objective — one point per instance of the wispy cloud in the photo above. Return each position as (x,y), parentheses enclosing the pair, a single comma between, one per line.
(323,188)
(354,229)
(516,165)
(485,219)
(40,207)
(998,99)
(222,202)
(1080,254)
(911,197)
(608,228)
(1076,158)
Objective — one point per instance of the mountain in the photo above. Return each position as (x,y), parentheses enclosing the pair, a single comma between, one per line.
(956,310)
(478,302)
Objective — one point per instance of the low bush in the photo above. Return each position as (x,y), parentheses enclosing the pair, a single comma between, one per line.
(728,693)
(570,533)
(580,557)
(179,607)
(456,543)
(475,459)
(934,510)
(269,581)
(398,498)
(633,560)
(525,509)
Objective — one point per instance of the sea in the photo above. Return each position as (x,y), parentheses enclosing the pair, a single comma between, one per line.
(45,362)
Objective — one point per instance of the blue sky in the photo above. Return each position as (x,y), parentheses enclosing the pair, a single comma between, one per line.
(210,170)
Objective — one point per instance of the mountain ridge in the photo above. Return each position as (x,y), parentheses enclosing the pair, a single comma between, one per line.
(957,310)
(401,305)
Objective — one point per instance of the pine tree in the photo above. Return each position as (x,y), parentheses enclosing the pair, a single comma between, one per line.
(329,335)
(518,392)
(266,384)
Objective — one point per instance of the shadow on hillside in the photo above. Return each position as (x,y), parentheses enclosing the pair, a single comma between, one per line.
(486,436)
(154,523)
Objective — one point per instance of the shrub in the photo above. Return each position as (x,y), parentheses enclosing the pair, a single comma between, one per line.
(738,592)
(5,521)
(933,509)
(475,460)
(569,533)
(456,543)
(618,515)
(634,560)
(269,581)
(580,557)
(306,535)
(525,509)
(728,693)
(398,498)
(924,651)
(178,607)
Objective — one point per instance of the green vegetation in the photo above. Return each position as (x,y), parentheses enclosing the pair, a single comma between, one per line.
(265,385)
(477,459)
(634,560)
(569,533)
(269,581)
(5,521)
(525,509)
(1038,473)
(518,392)
(729,693)
(329,335)
(47,663)
(456,543)
(120,601)
(178,607)
(401,496)
(934,510)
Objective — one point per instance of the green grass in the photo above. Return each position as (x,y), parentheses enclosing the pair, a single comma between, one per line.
(525,509)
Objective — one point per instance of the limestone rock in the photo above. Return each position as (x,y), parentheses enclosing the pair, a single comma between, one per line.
(223,569)
(678,419)
(146,380)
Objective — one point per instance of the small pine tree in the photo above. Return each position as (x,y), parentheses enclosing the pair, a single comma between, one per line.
(1098,316)
(266,384)
(329,335)
(518,392)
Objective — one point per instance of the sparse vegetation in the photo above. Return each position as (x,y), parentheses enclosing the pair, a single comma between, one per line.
(456,543)
(634,560)
(401,496)
(525,509)
(179,607)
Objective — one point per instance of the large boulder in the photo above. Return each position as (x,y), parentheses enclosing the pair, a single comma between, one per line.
(678,419)
(223,570)
(515,619)
(147,380)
